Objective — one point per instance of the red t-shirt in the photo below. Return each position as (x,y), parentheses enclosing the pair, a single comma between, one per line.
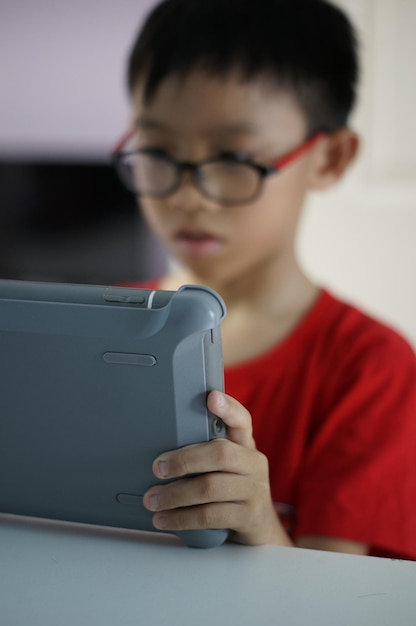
(334,409)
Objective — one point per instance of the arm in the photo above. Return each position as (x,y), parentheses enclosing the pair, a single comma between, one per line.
(332,545)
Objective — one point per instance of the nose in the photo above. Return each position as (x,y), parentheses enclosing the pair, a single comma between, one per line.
(189,198)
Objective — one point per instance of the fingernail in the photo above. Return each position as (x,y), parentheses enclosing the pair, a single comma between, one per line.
(221,400)
(163,469)
(154,503)
(160,521)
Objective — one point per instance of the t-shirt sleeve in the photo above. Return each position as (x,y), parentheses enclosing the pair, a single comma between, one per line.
(358,478)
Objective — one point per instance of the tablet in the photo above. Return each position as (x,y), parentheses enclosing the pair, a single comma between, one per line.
(95,383)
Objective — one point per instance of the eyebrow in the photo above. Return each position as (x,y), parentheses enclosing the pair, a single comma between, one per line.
(148,123)
(233,128)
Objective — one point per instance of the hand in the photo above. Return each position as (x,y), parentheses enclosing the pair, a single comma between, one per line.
(231,488)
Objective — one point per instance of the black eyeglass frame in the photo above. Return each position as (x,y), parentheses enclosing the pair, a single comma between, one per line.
(194,168)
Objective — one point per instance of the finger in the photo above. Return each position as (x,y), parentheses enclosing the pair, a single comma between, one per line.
(256,528)
(218,455)
(205,516)
(235,416)
(212,487)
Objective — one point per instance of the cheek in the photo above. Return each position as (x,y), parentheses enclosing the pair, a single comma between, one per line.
(153,213)
(281,203)
(270,216)
(269,225)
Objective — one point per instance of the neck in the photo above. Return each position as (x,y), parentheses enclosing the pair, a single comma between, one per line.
(263,306)
(271,289)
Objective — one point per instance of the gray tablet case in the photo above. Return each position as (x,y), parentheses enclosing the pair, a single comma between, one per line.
(96,382)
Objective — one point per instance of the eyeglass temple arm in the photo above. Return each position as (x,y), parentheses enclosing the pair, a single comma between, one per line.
(123,140)
(292,156)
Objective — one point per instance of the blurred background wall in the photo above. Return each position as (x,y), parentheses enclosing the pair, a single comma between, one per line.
(64,215)
(63,105)
(361,237)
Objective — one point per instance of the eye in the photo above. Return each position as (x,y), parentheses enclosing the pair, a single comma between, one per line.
(157,153)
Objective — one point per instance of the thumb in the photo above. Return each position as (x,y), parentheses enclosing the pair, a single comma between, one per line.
(235,416)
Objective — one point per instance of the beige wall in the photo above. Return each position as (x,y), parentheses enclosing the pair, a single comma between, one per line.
(361,238)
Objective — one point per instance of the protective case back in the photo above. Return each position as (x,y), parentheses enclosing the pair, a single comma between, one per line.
(96,382)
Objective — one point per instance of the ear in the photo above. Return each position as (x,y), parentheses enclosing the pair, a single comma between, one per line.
(333,156)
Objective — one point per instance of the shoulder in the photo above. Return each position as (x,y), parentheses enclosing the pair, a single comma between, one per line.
(338,344)
(364,362)
(350,332)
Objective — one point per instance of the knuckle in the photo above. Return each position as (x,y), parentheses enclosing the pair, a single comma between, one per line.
(263,464)
(222,452)
(198,517)
(180,464)
(181,520)
(206,517)
(207,487)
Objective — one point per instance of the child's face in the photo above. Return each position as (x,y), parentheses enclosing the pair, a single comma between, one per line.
(201,117)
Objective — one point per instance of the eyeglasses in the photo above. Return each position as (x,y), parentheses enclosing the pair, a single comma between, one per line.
(229,180)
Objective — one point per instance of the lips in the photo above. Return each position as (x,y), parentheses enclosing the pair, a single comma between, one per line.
(197,243)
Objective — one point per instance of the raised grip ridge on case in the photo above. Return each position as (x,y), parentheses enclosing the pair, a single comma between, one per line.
(208,538)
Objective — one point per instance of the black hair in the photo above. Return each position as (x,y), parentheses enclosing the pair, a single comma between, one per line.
(307,46)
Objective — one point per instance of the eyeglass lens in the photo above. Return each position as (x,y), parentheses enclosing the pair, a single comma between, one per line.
(155,176)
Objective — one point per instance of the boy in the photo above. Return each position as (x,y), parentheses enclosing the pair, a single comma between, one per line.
(240,108)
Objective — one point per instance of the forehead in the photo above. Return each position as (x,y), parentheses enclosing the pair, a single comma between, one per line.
(202,103)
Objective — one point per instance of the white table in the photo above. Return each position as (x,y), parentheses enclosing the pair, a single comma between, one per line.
(55,574)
